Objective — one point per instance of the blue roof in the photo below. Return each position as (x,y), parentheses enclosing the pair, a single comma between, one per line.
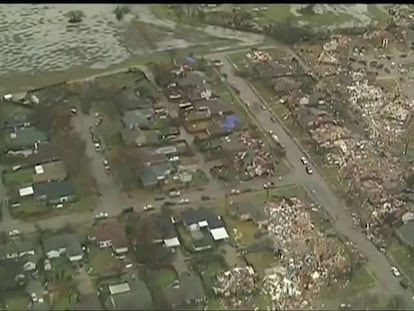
(230,122)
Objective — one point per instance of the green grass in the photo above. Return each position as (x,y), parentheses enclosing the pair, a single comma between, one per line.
(110,131)
(378,15)
(402,257)
(165,277)
(210,271)
(162,11)
(19,302)
(17,178)
(102,262)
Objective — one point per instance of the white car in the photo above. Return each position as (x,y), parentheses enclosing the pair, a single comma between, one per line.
(101,215)
(148,207)
(234,191)
(304,161)
(14,232)
(395,271)
(174,194)
(184,201)
(97,147)
(270,132)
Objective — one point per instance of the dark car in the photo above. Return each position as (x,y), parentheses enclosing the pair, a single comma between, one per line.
(129,209)
(159,198)
(205,198)
(169,203)
(404,284)
(273,119)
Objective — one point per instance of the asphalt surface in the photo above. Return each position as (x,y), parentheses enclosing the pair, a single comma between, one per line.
(322,192)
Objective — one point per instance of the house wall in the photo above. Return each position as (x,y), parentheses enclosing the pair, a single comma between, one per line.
(121,250)
(53,254)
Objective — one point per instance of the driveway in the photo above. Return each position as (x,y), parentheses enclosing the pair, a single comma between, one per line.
(322,192)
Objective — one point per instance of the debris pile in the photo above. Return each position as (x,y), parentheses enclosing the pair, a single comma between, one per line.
(238,285)
(259,57)
(254,163)
(309,258)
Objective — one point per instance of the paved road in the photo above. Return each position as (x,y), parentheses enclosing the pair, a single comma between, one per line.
(322,192)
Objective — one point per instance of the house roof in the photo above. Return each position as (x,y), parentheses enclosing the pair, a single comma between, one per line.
(406,233)
(191,286)
(27,136)
(136,118)
(111,231)
(46,152)
(249,208)
(149,174)
(18,245)
(215,106)
(162,225)
(70,241)
(192,78)
(55,170)
(138,298)
(16,121)
(194,216)
(54,190)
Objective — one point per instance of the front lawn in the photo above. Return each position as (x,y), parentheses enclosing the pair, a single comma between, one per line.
(164,277)
(102,262)
(18,178)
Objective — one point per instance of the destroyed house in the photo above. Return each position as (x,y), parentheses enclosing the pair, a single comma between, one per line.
(203,217)
(134,295)
(284,85)
(137,119)
(311,118)
(271,69)
(150,176)
(191,79)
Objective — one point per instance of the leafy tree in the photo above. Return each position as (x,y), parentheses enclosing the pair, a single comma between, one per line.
(75,16)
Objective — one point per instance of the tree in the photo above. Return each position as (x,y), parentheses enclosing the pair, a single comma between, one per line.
(121,11)
(75,16)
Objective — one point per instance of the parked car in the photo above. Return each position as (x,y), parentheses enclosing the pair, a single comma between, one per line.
(174,193)
(97,146)
(169,203)
(205,198)
(148,207)
(273,119)
(184,201)
(14,232)
(395,271)
(101,215)
(234,191)
(304,161)
(128,209)
(404,284)
(309,170)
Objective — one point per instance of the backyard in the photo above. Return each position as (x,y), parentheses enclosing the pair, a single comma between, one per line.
(164,277)
(18,178)
(103,263)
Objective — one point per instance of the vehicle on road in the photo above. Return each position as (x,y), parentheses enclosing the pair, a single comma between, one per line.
(174,194)
(97,146)
(169,203)
(269,185)
(184,201)
(148,207)
(73,111)
(395,271)
(106,165)
(309,169)
(275,138)
(270,132)
(101,215)
(14,232)
(304,161)
(404,284)
(345,306)
(235,191)
(273,119)
(128,209)
(263,107)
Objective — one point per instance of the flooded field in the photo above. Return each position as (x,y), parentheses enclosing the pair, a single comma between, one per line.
(39,38)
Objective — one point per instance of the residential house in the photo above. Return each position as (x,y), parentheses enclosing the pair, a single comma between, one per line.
(249,211)
(139,118)
(22,140)
(29,262)
(190,292)
(67,244)
(195,219)
(151,176)
(406,234)
(133,295)
(55,170)
(163,230)
(17,121)
(110,234)
(12,275)
(196,79)
(45,152)
(214,107)
(17,248)
(139,137)
(55,191)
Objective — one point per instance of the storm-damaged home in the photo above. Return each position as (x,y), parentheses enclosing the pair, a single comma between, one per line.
(246,211)
(110,235)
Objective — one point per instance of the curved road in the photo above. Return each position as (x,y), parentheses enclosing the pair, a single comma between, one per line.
(322,192)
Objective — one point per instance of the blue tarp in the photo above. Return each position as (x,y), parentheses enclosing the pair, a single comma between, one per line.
(230,122)
(190,60)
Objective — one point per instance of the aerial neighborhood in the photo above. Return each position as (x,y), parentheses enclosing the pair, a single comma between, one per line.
(252,176)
